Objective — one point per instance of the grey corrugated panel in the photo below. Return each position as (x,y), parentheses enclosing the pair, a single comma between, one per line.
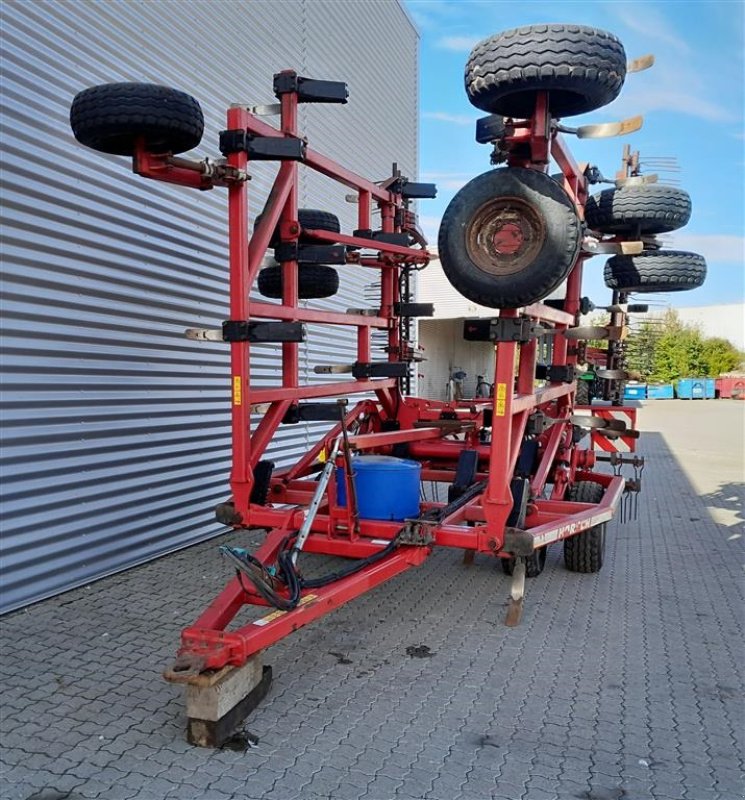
(116,428)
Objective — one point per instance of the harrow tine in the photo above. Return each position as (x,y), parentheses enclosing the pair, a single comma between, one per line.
(517,593)
(640,64)
(605,130)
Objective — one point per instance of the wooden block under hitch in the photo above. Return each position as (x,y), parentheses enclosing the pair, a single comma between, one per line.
(218,702)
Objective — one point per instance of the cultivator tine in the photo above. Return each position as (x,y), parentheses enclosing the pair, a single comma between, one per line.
(612,374)
(640,64)
(588,421)
(590,245)
(517,593)
(588,332)
(332,369)
(204,334)
(605,130)
(636,180)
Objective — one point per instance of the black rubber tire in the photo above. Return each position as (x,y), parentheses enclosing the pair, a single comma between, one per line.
(555,238)
(646,209)
(655,271)
(314,281)
(582,69)
(583,395)
(111,118)
(534,563)
(585,551)
(310,218)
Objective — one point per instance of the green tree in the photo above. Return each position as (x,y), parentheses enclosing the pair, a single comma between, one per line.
(720,355)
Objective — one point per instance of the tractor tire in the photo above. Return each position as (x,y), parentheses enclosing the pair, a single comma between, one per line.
(581,68)
(585,551)
(655,271)
(112,117)
(314,281)
(310,218)
(645,209)
(584,394)
(509,237)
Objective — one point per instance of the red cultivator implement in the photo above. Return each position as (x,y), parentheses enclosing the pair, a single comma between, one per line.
(517,474)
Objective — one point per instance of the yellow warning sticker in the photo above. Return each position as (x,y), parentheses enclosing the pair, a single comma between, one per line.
(309,598)
(501,404)
(237,391)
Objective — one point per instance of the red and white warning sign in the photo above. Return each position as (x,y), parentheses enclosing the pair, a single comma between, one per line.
(612,441)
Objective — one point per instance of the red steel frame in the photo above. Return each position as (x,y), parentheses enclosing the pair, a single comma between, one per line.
(481,524)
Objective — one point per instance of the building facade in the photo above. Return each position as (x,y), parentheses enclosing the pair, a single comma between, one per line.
(115,430)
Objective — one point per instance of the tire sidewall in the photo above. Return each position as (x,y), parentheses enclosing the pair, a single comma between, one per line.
(551,265)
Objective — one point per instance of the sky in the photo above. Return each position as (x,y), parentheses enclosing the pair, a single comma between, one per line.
(691,99)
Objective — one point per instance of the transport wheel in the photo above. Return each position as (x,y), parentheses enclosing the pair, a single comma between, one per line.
(655,271)
(314,281)
(111,118)
(310,218)
(509,237)
(581,68)
(534,563)
(648,209)
(585,551)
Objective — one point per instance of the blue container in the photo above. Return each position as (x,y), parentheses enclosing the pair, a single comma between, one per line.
(696,389)
(663,391)
(387,487)
(635,391)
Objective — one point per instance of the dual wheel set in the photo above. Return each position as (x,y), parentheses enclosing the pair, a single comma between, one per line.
(512,235)
(114,117)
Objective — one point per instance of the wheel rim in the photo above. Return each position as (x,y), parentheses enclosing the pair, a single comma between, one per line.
(504,236)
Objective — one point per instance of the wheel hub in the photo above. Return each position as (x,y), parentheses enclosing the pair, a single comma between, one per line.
(505,236)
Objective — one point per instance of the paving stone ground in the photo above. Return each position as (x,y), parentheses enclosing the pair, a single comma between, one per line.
(625,684)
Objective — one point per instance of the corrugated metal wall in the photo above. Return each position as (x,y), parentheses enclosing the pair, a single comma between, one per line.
(115,428)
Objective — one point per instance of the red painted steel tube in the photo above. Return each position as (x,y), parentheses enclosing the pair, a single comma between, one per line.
(267,394)
(553,441)
(290,350)
(266,428)
(277,311)
(541,397)
(370,244)
(548,314)
(278,196)
(255,636)
(241,478)
(385,438)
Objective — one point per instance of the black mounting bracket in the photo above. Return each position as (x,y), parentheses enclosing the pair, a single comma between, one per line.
(501,329)
(311,253)
(310,90)
(262,148)
(381,369)
(244,331)
(555,373)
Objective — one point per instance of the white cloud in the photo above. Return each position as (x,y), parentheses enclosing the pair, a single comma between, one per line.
(648,21)
(444,116)
(714,247)
(458,43)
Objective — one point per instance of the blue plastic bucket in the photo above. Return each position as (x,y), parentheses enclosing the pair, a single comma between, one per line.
(387,487)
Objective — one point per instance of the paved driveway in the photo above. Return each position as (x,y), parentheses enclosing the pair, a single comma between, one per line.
(626,684)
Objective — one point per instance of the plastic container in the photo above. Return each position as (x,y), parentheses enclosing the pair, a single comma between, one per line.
(387,487)
(696,389)
(635,391)
(663,391)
